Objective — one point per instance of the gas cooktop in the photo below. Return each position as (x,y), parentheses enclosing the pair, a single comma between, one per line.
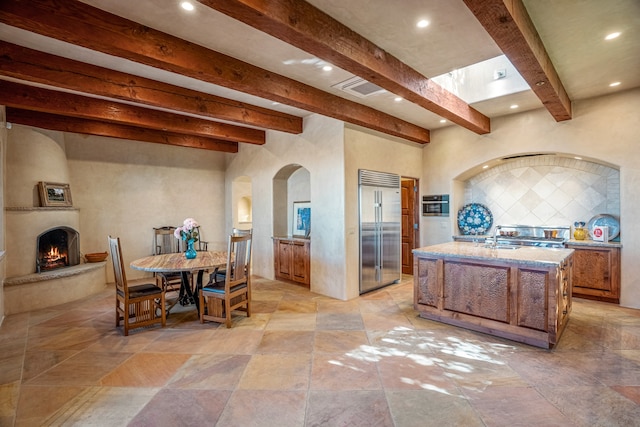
(532,235)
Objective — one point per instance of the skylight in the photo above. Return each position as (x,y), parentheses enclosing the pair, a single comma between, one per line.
(485,80)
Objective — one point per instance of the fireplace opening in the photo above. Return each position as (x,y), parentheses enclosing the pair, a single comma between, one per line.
(57,248)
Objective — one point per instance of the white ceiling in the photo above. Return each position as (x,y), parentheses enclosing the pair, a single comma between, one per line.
(572,31)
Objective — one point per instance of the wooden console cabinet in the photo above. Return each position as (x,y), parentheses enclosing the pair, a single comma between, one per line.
(596,272)
(292,261)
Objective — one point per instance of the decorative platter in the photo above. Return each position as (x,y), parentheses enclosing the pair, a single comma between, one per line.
(474,218)
(605,220)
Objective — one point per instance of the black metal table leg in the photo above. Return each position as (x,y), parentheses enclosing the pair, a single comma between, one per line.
(186,294)
(198,287)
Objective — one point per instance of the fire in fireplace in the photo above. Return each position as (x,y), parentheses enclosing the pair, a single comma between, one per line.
(57,248)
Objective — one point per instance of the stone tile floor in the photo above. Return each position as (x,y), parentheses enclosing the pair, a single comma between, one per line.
(307,360)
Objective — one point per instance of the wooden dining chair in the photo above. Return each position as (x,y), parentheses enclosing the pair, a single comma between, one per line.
(221,273)
(137,306)
(165,242)
(201,245)
(219,298)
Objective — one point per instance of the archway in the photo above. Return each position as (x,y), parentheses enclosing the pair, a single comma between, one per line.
(291,184)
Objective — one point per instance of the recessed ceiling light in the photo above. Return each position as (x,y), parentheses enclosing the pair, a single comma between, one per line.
(422,23)
(187,5)
(614,84)
(443,121)
(397,99)
(275,103)
(578,158)
(485,166)
(612,35)
(514,106)
(327,68)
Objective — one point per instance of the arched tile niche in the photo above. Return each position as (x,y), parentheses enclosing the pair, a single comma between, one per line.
(291,184)
(544,189)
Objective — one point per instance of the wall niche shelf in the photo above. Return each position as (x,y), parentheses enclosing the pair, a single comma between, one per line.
(40,208)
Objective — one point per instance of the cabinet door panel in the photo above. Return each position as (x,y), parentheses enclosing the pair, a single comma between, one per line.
(532,310)
(300,262)
(596,273)
(592,269)
(284,259)
(485,293)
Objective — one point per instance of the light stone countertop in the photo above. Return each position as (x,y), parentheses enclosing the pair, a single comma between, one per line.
(586,242)
(298,238)
(590,242)
(523,255)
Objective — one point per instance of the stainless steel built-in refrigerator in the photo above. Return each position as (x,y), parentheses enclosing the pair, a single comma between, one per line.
(380,229)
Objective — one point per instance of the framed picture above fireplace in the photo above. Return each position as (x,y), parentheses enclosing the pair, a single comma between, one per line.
(53,194)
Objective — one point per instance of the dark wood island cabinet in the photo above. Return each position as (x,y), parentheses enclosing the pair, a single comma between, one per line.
(521,294)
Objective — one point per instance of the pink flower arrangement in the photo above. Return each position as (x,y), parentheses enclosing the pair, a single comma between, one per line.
(188,230)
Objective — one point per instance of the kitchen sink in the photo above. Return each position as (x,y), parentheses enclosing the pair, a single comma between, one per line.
(507,247)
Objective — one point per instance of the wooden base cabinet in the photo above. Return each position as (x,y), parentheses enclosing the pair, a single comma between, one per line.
(292,261)
(596,272)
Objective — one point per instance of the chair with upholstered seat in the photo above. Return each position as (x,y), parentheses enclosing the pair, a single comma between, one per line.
(219,298)
(137,306)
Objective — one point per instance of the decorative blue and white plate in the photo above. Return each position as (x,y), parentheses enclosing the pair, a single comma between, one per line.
(474,218)
(605,220)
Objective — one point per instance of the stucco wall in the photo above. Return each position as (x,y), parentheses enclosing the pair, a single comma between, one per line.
(605,129)
(320,150)
(369,150)
(125,188)
(32,156)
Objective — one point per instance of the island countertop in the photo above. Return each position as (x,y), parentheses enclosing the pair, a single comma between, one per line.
(523,255)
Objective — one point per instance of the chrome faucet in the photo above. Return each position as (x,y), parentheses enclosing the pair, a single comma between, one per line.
(495,235)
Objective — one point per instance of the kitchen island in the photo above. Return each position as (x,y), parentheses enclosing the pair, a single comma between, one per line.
(517,292)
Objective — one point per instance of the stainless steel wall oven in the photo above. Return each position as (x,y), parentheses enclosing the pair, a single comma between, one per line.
(435,205)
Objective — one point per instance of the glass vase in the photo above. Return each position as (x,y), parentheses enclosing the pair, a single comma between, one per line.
(190,253)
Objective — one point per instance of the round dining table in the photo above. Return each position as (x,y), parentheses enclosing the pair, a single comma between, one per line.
(178,263)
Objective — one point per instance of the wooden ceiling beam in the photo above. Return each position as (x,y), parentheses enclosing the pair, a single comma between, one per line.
(68,104)
(114,130)
(84,25)
(39,67)
(509,24)
(308,28)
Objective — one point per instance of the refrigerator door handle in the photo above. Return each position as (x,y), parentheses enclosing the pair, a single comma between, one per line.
(378,239)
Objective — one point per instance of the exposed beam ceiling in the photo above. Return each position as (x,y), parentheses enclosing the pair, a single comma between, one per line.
(306,27)
(92,28)
(259,65)
(113,130)
(68,104)
(39,67)
(508,22)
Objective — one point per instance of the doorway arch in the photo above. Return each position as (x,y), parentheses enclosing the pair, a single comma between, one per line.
(292,183)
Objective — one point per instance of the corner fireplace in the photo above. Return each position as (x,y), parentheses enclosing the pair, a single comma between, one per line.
(57,248)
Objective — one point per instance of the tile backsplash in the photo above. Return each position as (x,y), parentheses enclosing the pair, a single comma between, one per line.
(546,190)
